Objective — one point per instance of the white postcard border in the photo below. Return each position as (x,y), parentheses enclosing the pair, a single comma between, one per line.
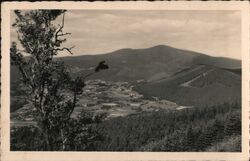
(7,155)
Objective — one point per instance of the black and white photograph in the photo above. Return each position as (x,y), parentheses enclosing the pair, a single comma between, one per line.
(125,80)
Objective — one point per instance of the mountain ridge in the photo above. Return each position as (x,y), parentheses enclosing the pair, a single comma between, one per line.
(153,47)
(138,64)
(163,70)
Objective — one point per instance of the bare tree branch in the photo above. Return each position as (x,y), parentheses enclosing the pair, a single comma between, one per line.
(67,33)
(65,48)
(61,26)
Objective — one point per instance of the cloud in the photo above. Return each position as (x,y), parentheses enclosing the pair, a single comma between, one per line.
(216,33)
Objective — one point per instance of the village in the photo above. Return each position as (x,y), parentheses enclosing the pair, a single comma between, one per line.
(117,99)
(112,98)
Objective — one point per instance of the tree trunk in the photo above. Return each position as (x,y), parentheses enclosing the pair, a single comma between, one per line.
(63,140)
(47,139)
(46,135)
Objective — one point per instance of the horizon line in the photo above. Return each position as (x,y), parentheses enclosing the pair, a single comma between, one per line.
(110,52)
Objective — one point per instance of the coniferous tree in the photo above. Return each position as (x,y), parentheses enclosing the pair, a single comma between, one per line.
(51,90)
(233,124)
(190,138)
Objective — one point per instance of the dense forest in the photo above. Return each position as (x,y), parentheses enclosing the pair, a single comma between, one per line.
(215,128)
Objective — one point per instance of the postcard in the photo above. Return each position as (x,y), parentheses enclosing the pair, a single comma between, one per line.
(125,81)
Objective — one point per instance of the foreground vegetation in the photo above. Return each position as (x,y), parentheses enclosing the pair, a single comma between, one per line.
(216,128)
(187,130)
(50,89)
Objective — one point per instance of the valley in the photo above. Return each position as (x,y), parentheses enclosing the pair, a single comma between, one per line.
(185,77)
(115,99)
(121,99)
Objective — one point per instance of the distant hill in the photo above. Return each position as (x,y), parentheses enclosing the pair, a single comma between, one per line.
(136,64)
(147,64)
(164,68)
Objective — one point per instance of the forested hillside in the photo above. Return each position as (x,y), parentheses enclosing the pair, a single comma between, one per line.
(199,85)
(194,129)
(216,128)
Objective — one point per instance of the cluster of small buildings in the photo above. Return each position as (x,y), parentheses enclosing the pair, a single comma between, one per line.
(114,98)
(118,99)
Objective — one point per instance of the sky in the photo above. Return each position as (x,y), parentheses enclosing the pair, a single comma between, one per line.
(215,33)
